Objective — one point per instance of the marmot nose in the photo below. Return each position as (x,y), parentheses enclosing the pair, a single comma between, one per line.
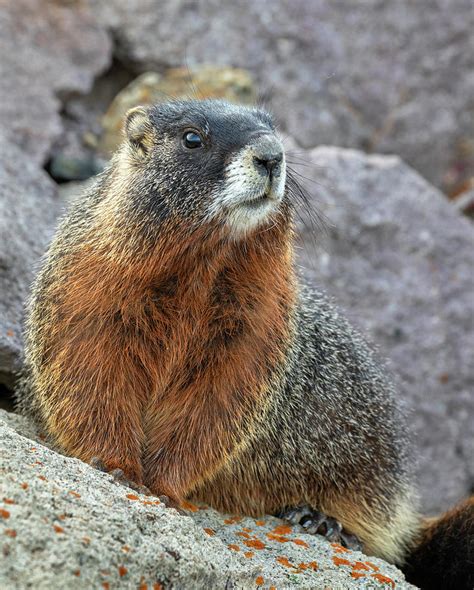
(268,162)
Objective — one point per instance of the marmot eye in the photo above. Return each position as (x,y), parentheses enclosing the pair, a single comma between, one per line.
(192,140)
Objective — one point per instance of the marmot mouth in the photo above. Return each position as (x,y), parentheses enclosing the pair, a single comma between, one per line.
(257,202)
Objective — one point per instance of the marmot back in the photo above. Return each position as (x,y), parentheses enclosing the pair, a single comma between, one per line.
(167,336)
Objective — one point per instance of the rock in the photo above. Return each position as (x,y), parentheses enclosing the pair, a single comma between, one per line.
(65,525)
(389,77)
(81,117)
(28,210)
(49,50)
(63,168)
(231,84)
(399,259)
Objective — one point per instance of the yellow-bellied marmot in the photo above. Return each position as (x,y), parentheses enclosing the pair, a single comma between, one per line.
(167,335)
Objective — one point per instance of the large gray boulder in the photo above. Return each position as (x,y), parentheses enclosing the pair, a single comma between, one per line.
(65,525)
(49,51)
(400,260)
(382,76)
(29,207)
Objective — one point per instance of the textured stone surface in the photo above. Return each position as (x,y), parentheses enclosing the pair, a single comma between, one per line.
(400,260)
(393,77)
(50,50)
(28,210)
(232,84)
(65,525)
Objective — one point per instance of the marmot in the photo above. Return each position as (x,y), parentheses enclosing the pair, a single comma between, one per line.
(169,336)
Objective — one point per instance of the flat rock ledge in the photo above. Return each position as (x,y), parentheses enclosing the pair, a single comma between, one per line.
(66,525)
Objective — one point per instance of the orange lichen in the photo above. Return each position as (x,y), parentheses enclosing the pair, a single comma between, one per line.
(105,585)
(357,575)
(249,554)
(272,588)
(339,548)
(77,573)
(383,579)
(372,565)
(132,497)
(122,570)
(259,522)
(10,533)
(9,501)
(126,548)
(254,544)
(143,586)
(157,586)
(260,581)
(232,520)
(58,529)
(341,561)
(278,538)
(246,529)
(33,449)
(42,477)
(284,561)
(234,547)
(283,529)
(86,540)
(4,513)
(443,378)
(188,506)
(24,486)
(210,532)
(358,565)
(300,542)
(245,535)
(37,463)
(75,494)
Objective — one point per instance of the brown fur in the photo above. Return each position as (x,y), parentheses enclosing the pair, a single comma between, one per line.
(130,349)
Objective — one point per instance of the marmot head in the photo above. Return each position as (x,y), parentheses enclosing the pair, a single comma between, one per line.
(204,162)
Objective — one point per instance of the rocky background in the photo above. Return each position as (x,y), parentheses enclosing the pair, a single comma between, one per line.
(373,77)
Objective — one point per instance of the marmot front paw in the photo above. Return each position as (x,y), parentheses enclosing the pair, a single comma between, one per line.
(315,522)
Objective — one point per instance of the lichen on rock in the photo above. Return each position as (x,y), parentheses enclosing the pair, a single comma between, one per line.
(65,525)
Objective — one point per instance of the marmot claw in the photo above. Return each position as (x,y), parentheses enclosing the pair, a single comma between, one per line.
(315,522)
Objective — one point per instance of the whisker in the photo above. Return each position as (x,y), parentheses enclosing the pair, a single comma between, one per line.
(307,178)
(314,223)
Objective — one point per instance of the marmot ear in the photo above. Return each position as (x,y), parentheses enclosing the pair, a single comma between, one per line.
(139,130)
